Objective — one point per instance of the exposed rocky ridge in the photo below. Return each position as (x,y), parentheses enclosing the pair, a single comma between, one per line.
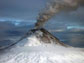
(47,37)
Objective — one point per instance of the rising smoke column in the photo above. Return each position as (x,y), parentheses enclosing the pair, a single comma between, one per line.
(55,6)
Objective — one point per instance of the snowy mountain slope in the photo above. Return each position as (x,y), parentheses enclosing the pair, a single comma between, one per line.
(35,49)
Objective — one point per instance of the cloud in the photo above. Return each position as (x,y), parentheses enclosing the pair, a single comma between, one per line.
(55,6)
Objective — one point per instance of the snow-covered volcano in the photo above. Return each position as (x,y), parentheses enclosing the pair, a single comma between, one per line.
(41,47)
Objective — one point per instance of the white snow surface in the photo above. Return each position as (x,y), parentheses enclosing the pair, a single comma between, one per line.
(32,50)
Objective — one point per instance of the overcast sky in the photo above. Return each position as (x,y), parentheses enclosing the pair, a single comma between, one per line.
(21,9)
(29,9)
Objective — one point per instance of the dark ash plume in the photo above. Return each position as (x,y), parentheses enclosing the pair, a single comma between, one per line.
(55,6)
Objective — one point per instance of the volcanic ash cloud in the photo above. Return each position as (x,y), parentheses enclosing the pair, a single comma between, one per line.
(55,6)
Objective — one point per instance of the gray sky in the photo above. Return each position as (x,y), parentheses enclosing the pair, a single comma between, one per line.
(21,9)
(29,9)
